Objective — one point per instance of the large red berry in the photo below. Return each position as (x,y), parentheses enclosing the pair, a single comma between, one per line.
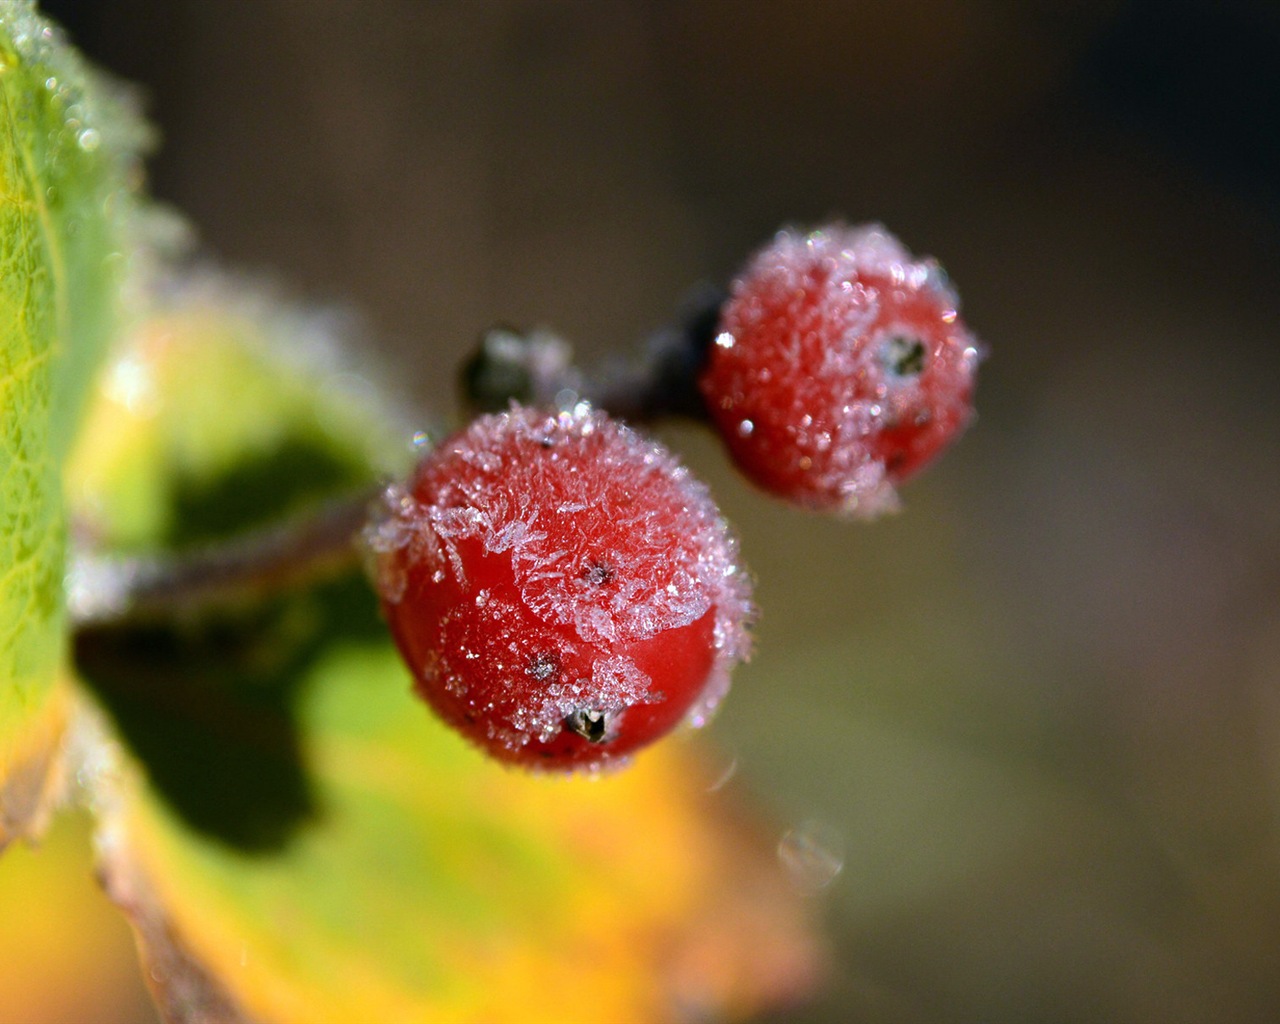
(561,589)
(840,367)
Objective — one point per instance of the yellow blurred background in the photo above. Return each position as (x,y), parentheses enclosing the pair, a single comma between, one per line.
(1037,715)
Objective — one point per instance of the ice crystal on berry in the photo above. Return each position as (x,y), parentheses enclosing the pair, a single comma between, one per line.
(563,590)
(840,368)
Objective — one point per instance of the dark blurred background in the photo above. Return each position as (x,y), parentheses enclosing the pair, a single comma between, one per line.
(1037,715)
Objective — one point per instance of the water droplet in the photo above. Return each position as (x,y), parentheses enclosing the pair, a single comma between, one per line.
(129,383)
(722,780)
(745,428)
(724,340)
(811,855)
(89,139)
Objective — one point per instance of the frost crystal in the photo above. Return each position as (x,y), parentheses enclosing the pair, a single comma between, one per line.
(840,367)
(579,579)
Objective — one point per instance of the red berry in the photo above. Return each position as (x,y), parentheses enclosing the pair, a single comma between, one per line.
(561,589)
(840,367)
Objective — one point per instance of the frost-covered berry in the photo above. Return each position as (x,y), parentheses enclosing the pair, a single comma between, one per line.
(840,367)
(561,589)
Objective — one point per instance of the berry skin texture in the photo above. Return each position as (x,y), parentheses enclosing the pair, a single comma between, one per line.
(840,368)
(562,590)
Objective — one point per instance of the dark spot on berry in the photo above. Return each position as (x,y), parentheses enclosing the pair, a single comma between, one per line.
(588,723)
(903,356)
(598,573)
(544,667)
(547,442)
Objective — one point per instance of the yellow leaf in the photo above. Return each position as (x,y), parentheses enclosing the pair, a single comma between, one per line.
(67,955)
(436,885)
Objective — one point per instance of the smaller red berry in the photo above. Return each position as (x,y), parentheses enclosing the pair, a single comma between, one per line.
(562,590)
(840,367)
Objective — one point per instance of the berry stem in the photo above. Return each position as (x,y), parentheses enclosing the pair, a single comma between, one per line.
(110,591)
(536,368)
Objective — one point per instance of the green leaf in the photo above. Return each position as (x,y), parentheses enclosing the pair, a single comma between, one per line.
(428,883)
(295,837)
(227,411)
(67,166)
(225,414)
